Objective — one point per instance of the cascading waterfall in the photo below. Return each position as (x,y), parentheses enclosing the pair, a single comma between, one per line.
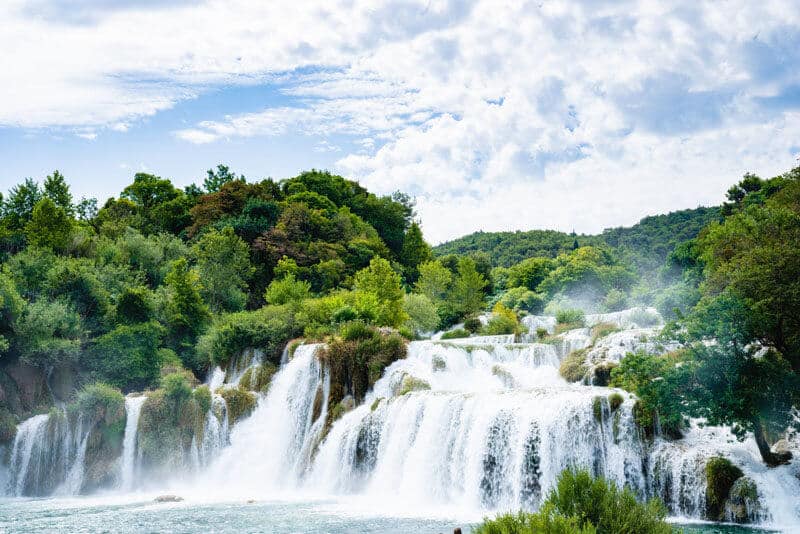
(272,448)
(48,455)
(482,423)
(133,407)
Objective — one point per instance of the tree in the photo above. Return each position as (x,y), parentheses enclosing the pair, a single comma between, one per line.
(128,356)
(22,198)
(467,296)
(57,190)
(415,251)
(216,179)
(186,313)
(50,226)
(529,273)
(223,262)
(86,209)
(422,314)
(287,290)
(11,308)
(134,306)
(49,334)
(383,283)
(434,281)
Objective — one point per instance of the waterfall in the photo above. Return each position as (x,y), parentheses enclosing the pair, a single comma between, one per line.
(476,438)
(133,407)
(271,449)
(48,455)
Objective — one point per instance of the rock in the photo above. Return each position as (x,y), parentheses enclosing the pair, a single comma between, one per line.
(168,498)
(782,447)
(251,501)
(457,531)
(743,504)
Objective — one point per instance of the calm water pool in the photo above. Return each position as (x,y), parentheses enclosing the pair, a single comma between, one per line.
(132,515)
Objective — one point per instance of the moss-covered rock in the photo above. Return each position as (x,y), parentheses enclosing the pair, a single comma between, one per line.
(601,373)
(615,400)
(504,375)
(597,409)
(721,474)
(258,377)
(412,383)
(743,504)
(240,403)
(438,363)
(573,368)
(8,426)
(202,396)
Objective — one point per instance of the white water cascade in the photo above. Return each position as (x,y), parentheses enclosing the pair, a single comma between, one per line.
(270,450)
(133,407)
(48,455)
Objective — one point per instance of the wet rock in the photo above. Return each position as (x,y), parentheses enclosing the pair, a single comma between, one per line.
(743,504)
(168,498)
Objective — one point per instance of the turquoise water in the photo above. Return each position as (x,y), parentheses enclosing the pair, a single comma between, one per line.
(86,515)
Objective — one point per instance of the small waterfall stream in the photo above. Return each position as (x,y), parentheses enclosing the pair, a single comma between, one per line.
(133,407)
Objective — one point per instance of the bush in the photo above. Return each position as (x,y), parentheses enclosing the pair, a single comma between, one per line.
(615,400)
(458,333)
(287,290)
(602,330)
(176,387)
(541,332)
(582,504)
(422,313)
(644,318)
(573,368)
(472,324)
(571,317)
(100,402)
(504,321)
(202,396)
(720,477)
(128,356)
(615,300)
(521,298)
(240,403)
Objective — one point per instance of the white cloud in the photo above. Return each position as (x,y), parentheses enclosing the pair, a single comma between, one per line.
(495,115)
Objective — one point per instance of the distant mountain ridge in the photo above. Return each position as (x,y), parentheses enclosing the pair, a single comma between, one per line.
(652,237)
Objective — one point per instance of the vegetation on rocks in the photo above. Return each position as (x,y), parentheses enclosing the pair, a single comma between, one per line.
(721,474)
(573,367)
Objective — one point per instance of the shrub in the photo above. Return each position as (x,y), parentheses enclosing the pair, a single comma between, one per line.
(521,298)
(472,324)
(580,504)
(571,316)
(458,333)
(128,357)
(344,314)
(720,477)
(602,330)
(422,313)
(541,332)
(240,403)
(287,290)
(202,395)
(411,383)
(615,300)
(615,400)
(176,387)
(573,368)
(504,321)
(645,318)
(100,402)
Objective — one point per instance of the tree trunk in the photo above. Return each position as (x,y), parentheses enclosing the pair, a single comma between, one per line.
(770,458)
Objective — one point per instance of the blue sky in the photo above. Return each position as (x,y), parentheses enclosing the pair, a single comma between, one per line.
(495,115)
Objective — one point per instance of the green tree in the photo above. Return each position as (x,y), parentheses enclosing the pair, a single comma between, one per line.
(11,308)
(22,198)
(215,179)
(467,293)
(49,334)
(186,313)
(128,356)
(415,251)
(57,190)
(287,290)
(434,281)
(50,226)
(423,316)
(223,262)
(380,280)
(529,273)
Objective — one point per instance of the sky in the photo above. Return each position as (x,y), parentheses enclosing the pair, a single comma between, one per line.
(494,115)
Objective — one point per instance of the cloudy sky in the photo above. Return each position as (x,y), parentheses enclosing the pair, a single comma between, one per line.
(493,114)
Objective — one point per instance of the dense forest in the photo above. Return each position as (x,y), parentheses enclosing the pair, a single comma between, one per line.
(159,285)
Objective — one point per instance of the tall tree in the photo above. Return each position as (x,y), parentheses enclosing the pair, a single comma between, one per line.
(216,179)
(22,198)
(57,190)
(223,261)
(50,226)
(415,251)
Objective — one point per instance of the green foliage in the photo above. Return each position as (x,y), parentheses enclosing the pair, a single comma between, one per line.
(50,226)
(240,403)
(287,290)
(215,179)
(8,426)
(615,400)
(49,334)
(128,356)
(186,313)
(573,367)
(134,306)
(223,263)
(529,273)
(720,477)
(11,309)
(458,333)
(411,383)
(202,396)
(503,321)
(571,317)
(414,252)
(582,504)
(421,312)
(602,330)
(466,295)
(658,382)
(100,402)
(472,324)
(383,283)
(523,299)
(268,329)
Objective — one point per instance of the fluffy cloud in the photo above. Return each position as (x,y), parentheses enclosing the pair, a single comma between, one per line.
(495,115)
